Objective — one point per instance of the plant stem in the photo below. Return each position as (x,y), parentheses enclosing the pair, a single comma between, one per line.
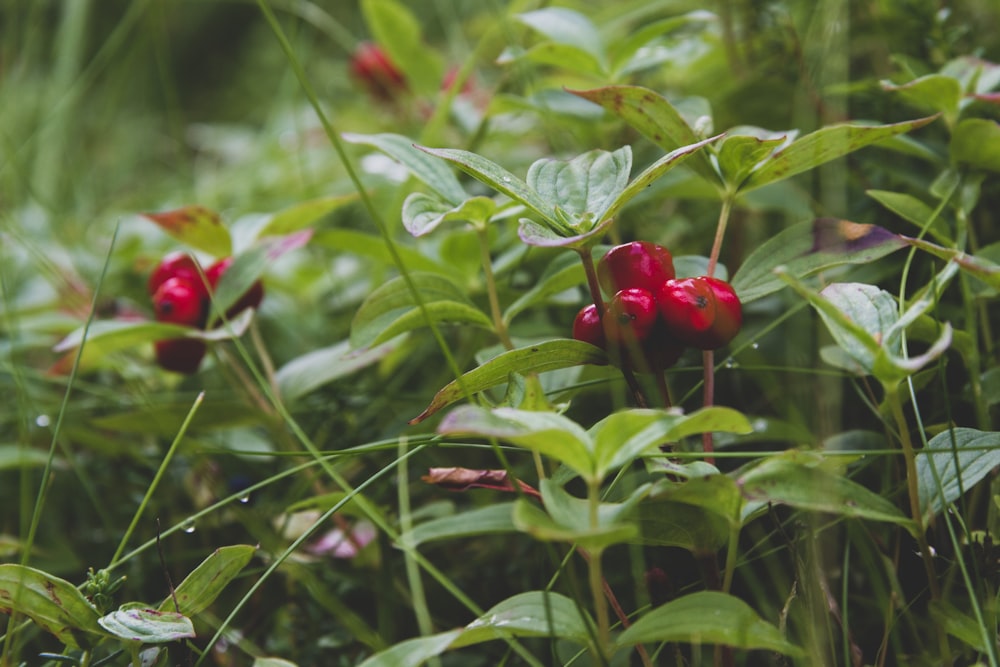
(483,234)
(720,232)
(597,579)
(265,357)
(708,399)
(708,357)
(592,282)
(420,607)
(661,385)
(600,606)
(731,550)
(910,459)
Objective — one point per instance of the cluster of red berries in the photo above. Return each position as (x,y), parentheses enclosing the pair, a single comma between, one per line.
(181,296)
(653,315)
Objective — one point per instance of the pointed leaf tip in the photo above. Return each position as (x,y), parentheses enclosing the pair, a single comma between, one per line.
(197,226)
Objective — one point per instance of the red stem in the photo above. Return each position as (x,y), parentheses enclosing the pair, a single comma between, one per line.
(708,359)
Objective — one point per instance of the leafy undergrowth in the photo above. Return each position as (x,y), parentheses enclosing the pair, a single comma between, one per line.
(315,353)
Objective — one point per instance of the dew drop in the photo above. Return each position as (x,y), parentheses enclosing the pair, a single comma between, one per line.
(755,346)
(188,526)
(506,179)
(245,498)
(42,421)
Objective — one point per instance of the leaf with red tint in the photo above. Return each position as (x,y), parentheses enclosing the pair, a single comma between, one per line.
(196,226)
(463,479)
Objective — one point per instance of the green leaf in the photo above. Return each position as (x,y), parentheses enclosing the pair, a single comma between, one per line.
(147,626)
(422,213)
(875,307)
(567,27)
(823,145)
(563,273)
(529,614)
(53,604)
(976,142)
(572,512)
(413,652)
(622,436)
(717,494)
(563,56)
(586,186)
(300,216)
(708,617)
(451,312)
(314,369)
(934,92)
(106,336)
(653,172)
(961,457)
(532,233)
(675,524)
(496,177)
(15,456)
(200,588)
(869,309)
(373,247)
(781,481)
(960,625)
(865,323)
(395,298)
(480,521)
(272,662)
(740,153)
(397,30)
(544,432)
(531,519)
(717,419)
(546,356)
(628,53)
(196,226)
(653,116)
(249,266)
(809,247)
(434,173)
(912,210)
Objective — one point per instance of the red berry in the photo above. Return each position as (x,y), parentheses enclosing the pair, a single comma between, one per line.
(637,264)
(372,67)
(630,316)
(587,327)
(180,355)
(178,301)
(175,265)
(701,312)
(250,299)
